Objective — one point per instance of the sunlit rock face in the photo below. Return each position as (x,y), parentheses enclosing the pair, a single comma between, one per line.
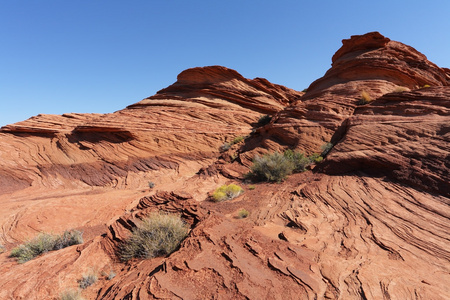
(369,222)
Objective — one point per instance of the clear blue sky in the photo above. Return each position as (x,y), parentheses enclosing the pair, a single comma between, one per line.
(60,56)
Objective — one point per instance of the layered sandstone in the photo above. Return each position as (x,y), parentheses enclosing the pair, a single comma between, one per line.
(369,222)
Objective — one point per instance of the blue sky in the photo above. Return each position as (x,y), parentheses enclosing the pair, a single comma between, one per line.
(100,56)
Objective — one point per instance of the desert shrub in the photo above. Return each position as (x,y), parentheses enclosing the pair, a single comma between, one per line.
(111,275)
(151,184)
(158,235)
(71,295)
(87,280)
(365,98)
(264,120)
(45,242)
(400,89)
(315,158)
(227,192)
(68,238)
(425,86)
(326,148)
(251,187)
(243,213)
(2,248)
(299,160)
(276,167)
(273,167)
(227,146)
(237,140)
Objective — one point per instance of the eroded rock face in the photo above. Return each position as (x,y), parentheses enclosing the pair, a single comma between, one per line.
(403,135)
(370,63)
(369,222)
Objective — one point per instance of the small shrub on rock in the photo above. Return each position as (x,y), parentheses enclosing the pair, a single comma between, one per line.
(264,120)
(158,235)
(273,167)
(243,213)
(326,148)
(400,89)
(45,242)
(87,280)
(365,98)
(111,275)
(227,146)
(315,158)
(68,238)
(299,160)
(227,192)
(237,140)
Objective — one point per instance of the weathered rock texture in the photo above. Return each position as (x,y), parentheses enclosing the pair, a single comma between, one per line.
(369,222)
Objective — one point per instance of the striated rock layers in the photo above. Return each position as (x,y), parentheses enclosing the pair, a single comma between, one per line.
(369,222)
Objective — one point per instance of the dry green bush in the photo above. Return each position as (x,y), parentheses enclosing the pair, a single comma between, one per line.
(227,192)
(400,89)
(87,280)
(227,146)
(326,148)
(365,98)
(45,242)
(243,213)
(264,120)
(273,167)
(158,235)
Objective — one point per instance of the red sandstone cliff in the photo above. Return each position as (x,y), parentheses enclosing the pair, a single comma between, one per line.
(369,222)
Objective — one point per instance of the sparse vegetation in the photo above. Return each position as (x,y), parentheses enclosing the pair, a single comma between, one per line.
(87,280)
(237,140)
(68,238)
(227,146)
(326,148)
(264,120)
(400,89)
(275,167)
(45,242)
(243,213)
(111,275)
(227,192)
(158,235)
(315,158)
(299,160)
(365,98)
(71,295)
(251,187)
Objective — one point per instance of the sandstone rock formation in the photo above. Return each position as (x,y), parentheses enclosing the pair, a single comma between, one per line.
(369,222)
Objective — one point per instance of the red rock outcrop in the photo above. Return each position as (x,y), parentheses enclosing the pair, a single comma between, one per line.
(369,222)
(402,135)
(370,63)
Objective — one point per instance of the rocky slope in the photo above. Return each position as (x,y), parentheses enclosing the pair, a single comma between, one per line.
(369,222)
